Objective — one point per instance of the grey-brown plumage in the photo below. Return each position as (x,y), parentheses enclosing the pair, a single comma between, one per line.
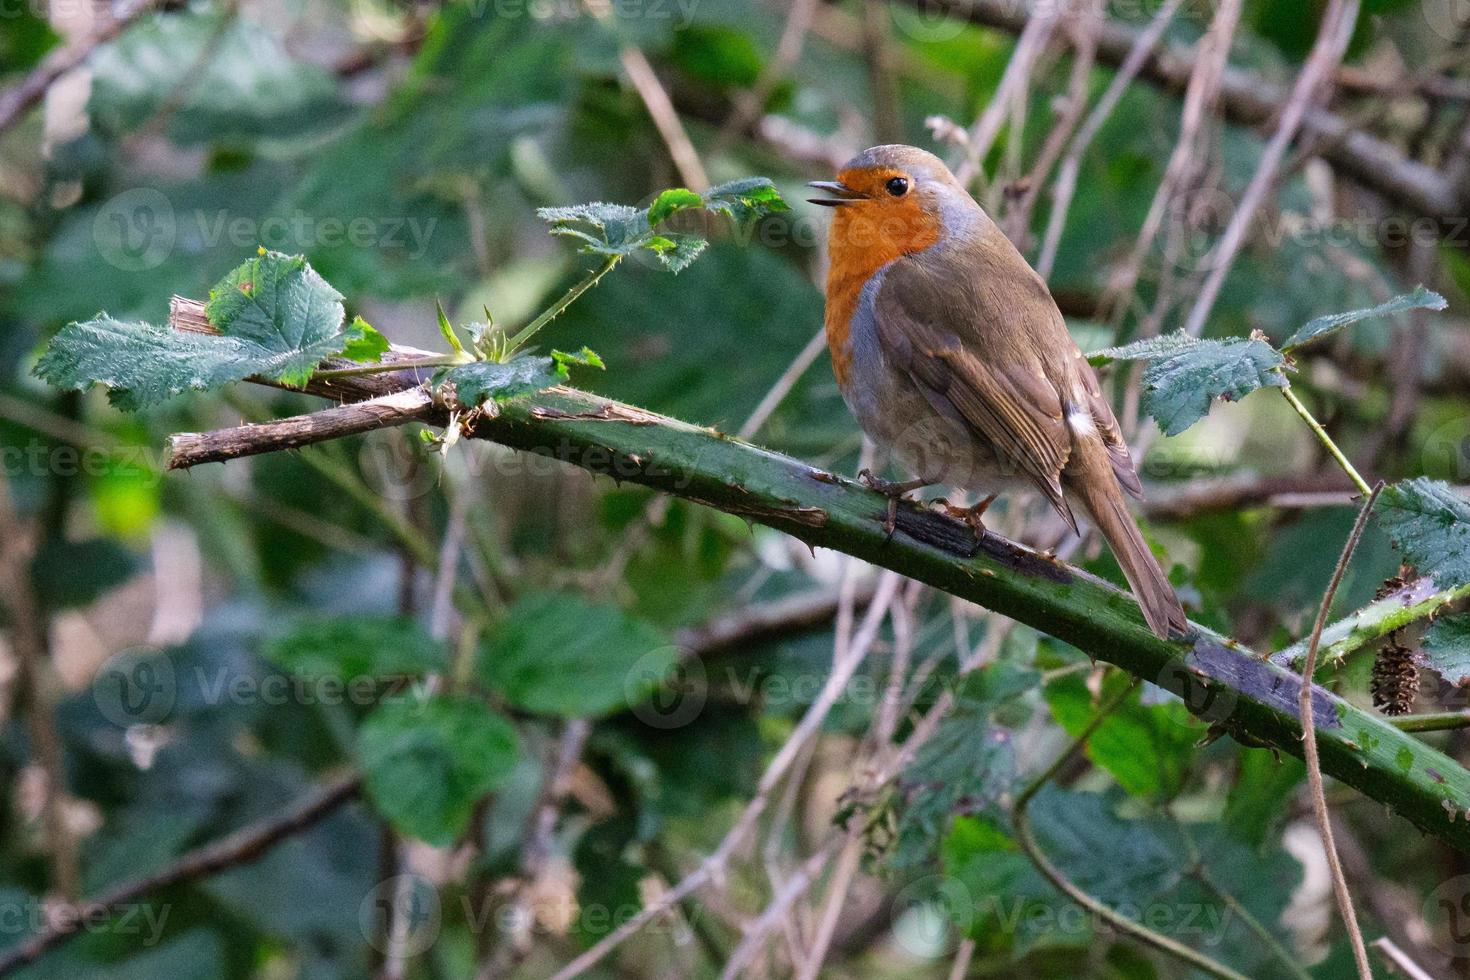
(955,357)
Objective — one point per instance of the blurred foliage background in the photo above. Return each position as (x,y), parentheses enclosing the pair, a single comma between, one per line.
(192,654)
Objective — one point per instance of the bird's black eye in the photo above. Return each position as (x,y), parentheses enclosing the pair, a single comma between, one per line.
(898,186)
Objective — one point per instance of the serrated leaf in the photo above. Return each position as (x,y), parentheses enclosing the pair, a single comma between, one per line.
(586,357)
(364,343)
(281,305)
(559,654)
(501,381)
(143,364)
(349,647)
(675,252)
(670,202)
(1447,649)
(427,763)
(1184,375)
(604,229)
(1430,524)
(1419,299)
(277,319)
(746,199)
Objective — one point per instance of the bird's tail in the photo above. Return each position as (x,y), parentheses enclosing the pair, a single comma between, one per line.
(1102,498)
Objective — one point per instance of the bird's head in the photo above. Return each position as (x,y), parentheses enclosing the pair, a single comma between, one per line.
(890,201)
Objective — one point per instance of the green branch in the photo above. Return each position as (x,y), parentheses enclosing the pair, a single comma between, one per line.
(1224,682)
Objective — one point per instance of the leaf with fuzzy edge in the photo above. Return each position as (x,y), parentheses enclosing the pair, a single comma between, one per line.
(364,343)
(1419,299)
(1430,524)
(617,230)
(1447,649)
(279,303)
(1184,375)
(522,375)
(277,319)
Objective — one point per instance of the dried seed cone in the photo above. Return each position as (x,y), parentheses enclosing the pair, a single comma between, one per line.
(1395,678)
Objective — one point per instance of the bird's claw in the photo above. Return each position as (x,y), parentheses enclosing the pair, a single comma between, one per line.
(892,489)
(973,516)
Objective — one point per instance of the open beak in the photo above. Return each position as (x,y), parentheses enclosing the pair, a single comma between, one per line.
(840,193)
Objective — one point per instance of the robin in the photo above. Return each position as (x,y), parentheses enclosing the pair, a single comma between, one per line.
(953,357)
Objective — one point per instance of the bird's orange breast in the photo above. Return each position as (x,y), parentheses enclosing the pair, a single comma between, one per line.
(866,236)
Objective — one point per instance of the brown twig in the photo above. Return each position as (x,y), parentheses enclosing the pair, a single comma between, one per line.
(1247,99)
(28,632)
(665,119)
(1309,743)
(16,101)
(242,847)
(1338,22)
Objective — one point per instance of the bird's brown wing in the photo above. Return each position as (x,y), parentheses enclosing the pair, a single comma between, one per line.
(927,315)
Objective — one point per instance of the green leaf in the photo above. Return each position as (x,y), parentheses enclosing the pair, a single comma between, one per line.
(1184,375)
(1430,524)
(1447,649)
(446,329)
(604,229)
(278,303)
(349,647)
(426,764)
(586,357)
(559,654)
(746,200)
(1419,299)
(1147,748)
(967,767)
(143,364)
(501,381)
(618,230)
(364,343)
(676,251)
(671,202)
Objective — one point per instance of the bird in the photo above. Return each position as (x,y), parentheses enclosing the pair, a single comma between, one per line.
(953,357)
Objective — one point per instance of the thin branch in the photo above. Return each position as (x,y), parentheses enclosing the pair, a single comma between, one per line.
(1247,99)
(1309,744)
(1400,960)
(28,633)
(1325,439)
(1066,183)
(1120,922)
(1412,603)
(16,101)
(1338,22)
(242,847)
(821,509)
(1442,721)
(665,119)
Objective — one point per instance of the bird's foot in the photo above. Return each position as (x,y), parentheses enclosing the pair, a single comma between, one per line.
(973,516)
(894,491)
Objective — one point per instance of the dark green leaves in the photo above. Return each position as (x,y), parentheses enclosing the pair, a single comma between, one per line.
(1447,649)
(524,374)
(427,763)
(1430,523)
(1146,748)
(617,230)
(559,654)
(277,319)
(1419,299)
(1185,375)
(355,646)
